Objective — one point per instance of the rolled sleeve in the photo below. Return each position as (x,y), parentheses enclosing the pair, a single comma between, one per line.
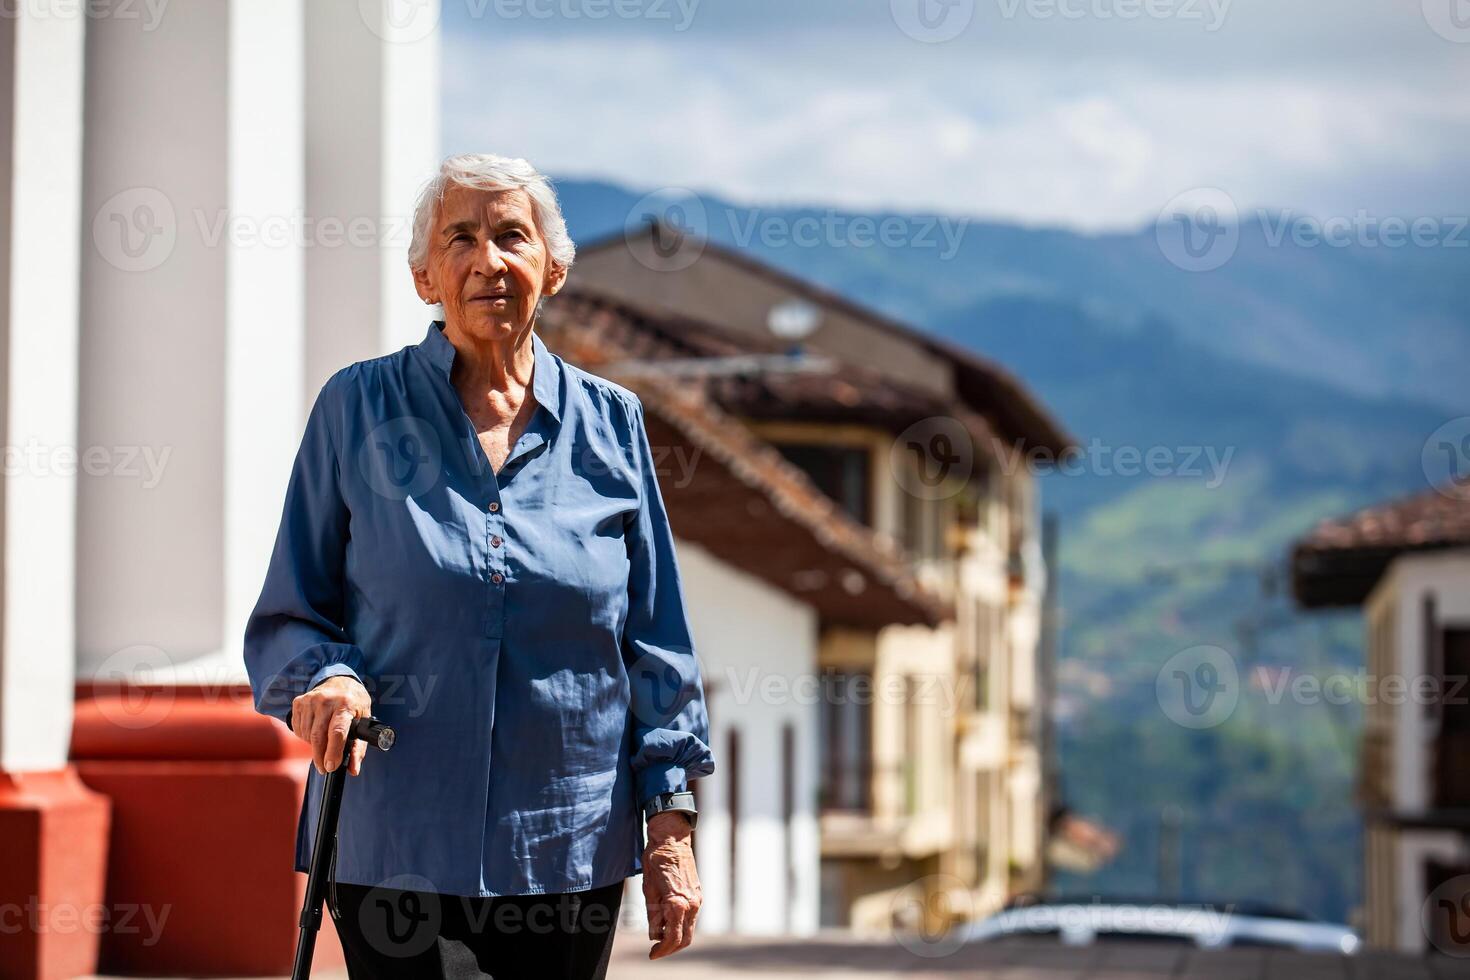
(295,638)
(670,723)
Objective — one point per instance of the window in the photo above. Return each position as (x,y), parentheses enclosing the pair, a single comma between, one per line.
(1018,493)
(977,497)
(846,715)
(924,523)
(1452,751)
(984,797)
(840,472)
(984,642)
(913,786)
(913,522)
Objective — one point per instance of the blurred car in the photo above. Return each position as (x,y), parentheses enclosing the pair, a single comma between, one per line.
(1207,925)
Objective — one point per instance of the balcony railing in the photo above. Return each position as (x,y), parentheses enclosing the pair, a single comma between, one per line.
(846,789)
(855,789)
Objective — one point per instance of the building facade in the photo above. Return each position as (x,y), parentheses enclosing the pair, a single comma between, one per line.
(1406,564)
(931,786)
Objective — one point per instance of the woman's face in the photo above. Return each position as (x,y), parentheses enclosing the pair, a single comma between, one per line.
(487,263)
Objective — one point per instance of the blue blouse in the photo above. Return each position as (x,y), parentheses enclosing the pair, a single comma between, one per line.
(523,630)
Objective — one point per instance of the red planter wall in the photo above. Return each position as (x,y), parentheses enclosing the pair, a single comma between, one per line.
(205,800)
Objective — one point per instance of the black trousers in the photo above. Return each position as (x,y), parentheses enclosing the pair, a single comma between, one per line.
(390,934)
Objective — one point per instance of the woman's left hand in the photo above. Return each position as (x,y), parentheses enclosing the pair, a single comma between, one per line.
(670,883)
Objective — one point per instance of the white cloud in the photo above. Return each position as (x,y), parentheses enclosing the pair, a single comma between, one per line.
(1021,138)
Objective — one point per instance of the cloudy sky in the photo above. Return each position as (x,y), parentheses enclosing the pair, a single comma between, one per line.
(1088,114)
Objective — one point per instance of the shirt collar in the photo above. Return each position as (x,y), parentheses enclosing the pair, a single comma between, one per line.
(545,381)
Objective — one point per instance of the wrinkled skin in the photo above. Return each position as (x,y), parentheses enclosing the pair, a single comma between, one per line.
(670,884)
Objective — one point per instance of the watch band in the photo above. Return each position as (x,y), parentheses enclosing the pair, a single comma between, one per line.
(680,802)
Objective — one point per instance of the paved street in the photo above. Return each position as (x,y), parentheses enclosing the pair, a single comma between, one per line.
(830,957)
(716,958)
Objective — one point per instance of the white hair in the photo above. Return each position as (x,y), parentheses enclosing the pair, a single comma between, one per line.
(486,171)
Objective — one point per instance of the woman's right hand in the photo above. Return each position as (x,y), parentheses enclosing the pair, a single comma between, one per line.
(322,715)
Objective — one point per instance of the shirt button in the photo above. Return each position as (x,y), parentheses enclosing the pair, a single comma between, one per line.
(494,506)
(495,542)
(496,578)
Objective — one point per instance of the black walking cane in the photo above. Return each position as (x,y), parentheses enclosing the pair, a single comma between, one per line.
(324,853)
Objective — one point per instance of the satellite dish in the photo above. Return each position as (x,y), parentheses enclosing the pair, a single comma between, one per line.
(793,319)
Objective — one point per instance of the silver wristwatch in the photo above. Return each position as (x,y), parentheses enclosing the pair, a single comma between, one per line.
(681,802)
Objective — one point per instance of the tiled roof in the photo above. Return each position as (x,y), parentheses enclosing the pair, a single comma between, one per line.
(1340,561)
(753,381)
(985,386)
(740,498)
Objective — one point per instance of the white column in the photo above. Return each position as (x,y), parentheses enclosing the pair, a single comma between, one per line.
(192,329)
(154,309)
(250,166)
(265,333)
(372,114)
(41,59)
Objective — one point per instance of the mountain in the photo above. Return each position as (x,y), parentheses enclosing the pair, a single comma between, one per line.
(1291,383)
(1382,316)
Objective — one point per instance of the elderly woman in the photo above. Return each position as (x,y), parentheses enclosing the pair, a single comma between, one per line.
(474,549)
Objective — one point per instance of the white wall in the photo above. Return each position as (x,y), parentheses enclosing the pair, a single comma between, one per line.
(758,651)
